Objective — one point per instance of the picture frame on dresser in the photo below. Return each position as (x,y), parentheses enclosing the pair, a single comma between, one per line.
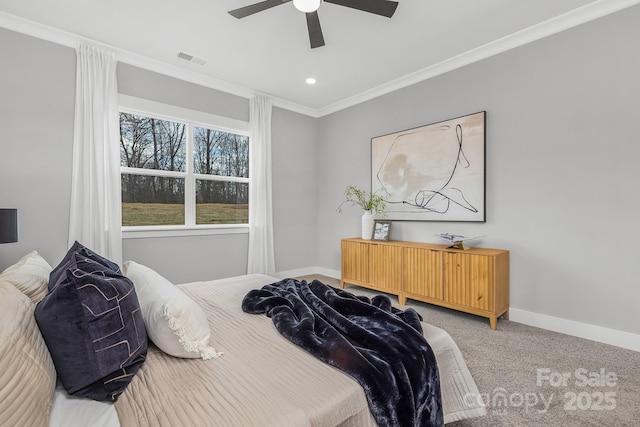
(381,230)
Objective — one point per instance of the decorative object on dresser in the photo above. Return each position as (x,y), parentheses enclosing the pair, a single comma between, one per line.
(369,203)
(8,225)
(434,172)
(381,230)
(367,225)
(457,241)
(474,281)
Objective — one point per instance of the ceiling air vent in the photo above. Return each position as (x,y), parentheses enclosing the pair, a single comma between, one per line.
(191,58)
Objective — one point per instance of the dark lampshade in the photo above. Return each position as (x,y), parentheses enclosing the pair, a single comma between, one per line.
(8,225)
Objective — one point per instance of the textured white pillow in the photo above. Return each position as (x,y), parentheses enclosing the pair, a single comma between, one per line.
(174,322)
(30,275)
(27,374)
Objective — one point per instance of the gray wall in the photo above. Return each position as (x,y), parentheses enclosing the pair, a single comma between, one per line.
(562,150)
(295,193)
(562,167)
(37,90)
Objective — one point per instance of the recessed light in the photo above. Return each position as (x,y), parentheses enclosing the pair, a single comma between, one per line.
(311,81)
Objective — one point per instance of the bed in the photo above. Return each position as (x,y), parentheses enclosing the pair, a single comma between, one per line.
(261,379)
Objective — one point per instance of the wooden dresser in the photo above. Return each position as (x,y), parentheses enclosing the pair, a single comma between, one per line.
(474,281)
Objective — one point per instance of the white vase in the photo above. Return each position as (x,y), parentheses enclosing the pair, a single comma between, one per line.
(367,225)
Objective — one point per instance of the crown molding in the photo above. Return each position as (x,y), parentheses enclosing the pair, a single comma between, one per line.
(539,31)
(44,32)
(571,19)
(64,38)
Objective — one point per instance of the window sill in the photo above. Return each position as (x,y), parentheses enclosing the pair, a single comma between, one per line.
(182,231)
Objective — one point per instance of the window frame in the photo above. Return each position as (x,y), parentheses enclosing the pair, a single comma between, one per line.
(191,118)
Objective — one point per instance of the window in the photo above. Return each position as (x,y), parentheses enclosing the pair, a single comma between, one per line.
(182,169)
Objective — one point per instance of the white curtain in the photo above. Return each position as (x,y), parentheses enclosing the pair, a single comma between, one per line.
(95,219)
(261,253)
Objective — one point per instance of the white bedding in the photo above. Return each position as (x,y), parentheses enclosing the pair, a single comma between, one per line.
(71,411)
(456,380)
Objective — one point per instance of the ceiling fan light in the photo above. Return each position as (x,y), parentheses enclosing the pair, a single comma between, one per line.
(307,6)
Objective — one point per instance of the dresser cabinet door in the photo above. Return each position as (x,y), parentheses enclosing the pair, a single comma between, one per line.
(384,266)
(355,261)
(422,272)
(468,280)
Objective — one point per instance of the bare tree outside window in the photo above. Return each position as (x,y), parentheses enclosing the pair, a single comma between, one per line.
(149,143)
(153,155)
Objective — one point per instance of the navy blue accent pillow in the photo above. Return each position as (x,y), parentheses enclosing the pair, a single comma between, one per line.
(92,324)
(79,248)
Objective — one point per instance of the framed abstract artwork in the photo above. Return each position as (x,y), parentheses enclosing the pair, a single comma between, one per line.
(433,173)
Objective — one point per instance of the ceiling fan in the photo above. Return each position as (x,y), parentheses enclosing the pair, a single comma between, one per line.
(310,8)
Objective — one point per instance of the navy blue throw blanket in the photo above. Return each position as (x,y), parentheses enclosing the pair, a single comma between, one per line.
(380,346)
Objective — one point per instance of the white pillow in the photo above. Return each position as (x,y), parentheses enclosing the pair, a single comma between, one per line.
(27,374)
(30,275)
(174,322)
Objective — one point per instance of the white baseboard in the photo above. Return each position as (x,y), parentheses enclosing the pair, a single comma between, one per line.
(335,274)
(295,273)
(615,337)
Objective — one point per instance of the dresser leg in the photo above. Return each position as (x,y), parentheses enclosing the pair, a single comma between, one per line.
(402,299)
(493,321)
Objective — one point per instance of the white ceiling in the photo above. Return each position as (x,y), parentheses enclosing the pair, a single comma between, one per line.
(268,53)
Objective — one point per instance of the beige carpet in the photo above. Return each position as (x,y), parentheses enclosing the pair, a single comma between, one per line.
(533,377)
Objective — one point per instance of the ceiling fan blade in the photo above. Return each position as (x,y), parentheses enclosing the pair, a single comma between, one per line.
(255,8)
(315,31)
(379,7)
